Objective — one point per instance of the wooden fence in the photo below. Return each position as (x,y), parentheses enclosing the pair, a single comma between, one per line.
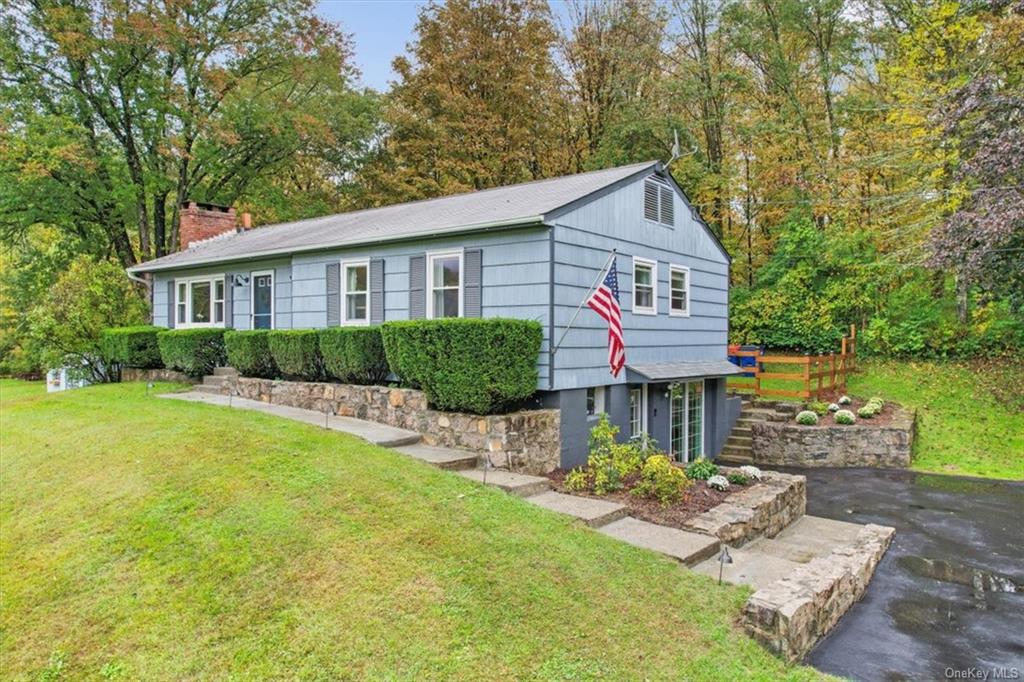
(815,373)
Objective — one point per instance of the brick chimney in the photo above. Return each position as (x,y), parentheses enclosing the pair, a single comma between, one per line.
(202,221)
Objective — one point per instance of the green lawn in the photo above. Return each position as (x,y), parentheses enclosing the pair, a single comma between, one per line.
(970,416)
(156,539)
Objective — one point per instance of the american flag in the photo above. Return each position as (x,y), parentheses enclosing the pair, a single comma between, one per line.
(605,302)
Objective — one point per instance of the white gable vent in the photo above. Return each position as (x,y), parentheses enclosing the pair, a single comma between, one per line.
(658,201)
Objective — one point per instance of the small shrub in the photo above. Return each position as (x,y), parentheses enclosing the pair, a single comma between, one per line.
(737,478)
(472,365)
(751,472)
(296,353)
(132,346)
(354,355)
(845,417)
(192,351)
(718,483)
(818,408)
(661,480)
(807,418)
(701,469)
(577,480)
(845,400)
(833,407)
(876,399)
(248,351)
(866,412)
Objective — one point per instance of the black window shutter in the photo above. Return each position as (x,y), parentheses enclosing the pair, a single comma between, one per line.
(172,309)
(229,300)
(417,287)
(333,294)
(376,290)
(471,282)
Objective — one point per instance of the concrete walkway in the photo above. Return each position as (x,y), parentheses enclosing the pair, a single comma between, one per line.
(765,560)
(688,547)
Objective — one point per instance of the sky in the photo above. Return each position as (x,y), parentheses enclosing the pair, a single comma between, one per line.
(381,29)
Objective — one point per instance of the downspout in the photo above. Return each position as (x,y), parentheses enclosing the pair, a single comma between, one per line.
(146,282)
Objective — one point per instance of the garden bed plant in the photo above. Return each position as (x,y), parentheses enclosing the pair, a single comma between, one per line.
(844,410)
(640,476)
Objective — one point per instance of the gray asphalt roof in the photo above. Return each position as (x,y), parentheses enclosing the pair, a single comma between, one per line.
(526,203)
(672,371)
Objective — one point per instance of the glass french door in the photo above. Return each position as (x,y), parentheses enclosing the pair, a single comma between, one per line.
(686,426)
(263,300)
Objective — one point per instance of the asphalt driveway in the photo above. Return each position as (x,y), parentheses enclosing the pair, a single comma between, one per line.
(939,604)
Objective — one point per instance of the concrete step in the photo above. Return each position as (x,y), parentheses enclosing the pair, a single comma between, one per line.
(757,413)
(747,422)
(734,452)
(739,441)
(213,389)
(443,458)
(214,380)
(742,431)
(688,547)
(749,567)
(225,372)
(594,513)
(520,485)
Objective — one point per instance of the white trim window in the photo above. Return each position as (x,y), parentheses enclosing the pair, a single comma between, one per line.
(595,401)
(679,290)
(199,302)
(355,297)
(645,286)
(637,420)
(261,299)
(444,284)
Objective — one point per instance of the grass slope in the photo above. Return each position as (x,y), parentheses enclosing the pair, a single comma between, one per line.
(962,426)
(156,539)
(970,417)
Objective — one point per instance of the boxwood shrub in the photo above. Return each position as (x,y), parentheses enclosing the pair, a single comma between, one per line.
(296,353)
(132,346)
(466,365)
(249,352)
(354,355)
(192,351)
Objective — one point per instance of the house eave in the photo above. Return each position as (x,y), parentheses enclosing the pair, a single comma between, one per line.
(529,221)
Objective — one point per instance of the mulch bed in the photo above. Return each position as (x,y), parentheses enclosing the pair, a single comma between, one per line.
(883,418)
(697,499)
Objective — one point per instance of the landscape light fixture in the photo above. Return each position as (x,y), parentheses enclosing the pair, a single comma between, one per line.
(149,385)
(723,559)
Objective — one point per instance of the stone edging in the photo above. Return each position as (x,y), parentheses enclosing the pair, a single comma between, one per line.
(857,445)
(528,441)
(132,374)
(790,615)
(764,509)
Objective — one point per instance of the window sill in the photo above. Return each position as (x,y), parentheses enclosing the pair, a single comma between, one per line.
(676,313)
(644,311)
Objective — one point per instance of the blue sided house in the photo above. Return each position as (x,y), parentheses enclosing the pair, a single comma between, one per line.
(531,251)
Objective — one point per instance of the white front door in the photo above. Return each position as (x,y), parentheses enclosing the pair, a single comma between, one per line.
(686,421)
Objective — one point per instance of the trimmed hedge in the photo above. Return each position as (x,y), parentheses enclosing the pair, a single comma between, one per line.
(296,353)
(466,365)
(249,352)
(132,346)
(354,355)
(192,351)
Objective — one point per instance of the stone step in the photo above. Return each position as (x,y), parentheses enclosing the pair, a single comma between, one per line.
(443,458)
(214,380)
(742,431)
(509,481)
(594,513)
(213,389)
(733,452)
(688,547)
(734,461)
(739,441)
(225,372)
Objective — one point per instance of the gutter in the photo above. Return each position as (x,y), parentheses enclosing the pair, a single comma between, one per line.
(478,227)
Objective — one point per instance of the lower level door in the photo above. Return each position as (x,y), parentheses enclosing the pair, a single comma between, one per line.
(262,300)
(686,424)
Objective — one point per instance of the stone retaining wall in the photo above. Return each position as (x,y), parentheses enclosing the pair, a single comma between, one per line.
(862,444)
(132,374)
(791,614)
(528,441)
(760,510)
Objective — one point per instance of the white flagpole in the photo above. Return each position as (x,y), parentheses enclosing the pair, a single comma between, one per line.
(600,277)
